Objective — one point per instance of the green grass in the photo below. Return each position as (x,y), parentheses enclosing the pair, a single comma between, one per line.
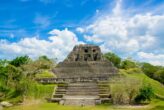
(155,105)
(45,74)
(40,91)
(157,87)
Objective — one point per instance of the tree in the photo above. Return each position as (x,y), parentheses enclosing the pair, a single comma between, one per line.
(4,62)
(10,77)
(37,66)
(18,61)
(127,64)
(113,58)
(149,69)
(159,75)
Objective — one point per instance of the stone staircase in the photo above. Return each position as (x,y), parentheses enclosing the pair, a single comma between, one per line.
(81,93)
(104,91)
(59,92)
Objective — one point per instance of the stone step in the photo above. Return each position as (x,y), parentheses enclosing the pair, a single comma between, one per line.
(55,99)
(58,95)
(104,95)
(82,90)
(61,90)
(104,99)
(74,94)
(83,84)
(80,100)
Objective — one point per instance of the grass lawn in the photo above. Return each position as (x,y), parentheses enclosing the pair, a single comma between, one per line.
(42,105)
(157,86)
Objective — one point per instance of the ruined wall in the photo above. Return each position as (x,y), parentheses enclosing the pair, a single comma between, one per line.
(85,61)
(85,53)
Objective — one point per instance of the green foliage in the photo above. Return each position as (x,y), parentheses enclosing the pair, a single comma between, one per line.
(45,74)
(36,90)
(159,75)
(10,78)
(157,86)
(134,71)
(44,58)
(16,75)
(3,62)
(116,60)
(149,69)
(128,63)
(155,72)
(145,93)
(18,61)
(38,66)
(129,88)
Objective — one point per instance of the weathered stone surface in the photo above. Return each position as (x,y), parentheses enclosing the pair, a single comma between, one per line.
(85,53)
(81,94)
(85,61)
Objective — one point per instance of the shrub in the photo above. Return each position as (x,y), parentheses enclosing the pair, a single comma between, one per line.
(128,63)
(45,74)
(116,60)
(145,94)
(124,90)
(159,75)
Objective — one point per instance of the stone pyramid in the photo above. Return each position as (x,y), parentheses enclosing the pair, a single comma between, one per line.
(85,61)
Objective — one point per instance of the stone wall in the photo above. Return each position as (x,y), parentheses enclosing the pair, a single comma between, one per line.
(85,61)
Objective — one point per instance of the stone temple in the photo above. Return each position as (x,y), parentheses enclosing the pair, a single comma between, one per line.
(85,61)
(83,77)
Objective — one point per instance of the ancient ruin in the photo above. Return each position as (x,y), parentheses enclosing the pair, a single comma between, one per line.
(85,61)
(82,77)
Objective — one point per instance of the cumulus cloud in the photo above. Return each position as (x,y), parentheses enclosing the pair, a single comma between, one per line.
(60,43)
(155,59)
(126,33)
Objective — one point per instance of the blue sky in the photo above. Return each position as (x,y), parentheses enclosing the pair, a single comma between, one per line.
(130,28)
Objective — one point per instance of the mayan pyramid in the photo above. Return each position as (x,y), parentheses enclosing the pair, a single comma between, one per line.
(85,61)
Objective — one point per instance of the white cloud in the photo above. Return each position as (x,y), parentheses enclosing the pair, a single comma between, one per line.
(60,43)
(117,9)
(124,32)
(81,30)
(155,59)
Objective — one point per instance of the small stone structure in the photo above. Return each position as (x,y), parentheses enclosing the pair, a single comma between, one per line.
(84,75)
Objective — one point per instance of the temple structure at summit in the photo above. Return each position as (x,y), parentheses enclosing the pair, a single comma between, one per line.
(85,61)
